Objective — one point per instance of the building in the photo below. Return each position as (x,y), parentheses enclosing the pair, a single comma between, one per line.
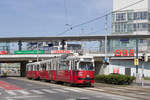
(133,19)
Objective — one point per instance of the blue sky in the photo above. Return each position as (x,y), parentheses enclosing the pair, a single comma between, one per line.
(48,18)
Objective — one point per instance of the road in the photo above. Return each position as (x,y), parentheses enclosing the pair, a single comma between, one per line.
(16,89)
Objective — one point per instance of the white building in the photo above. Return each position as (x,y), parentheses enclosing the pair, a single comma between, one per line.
(133,19)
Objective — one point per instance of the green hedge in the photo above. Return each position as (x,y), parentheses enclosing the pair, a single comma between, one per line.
(116,79)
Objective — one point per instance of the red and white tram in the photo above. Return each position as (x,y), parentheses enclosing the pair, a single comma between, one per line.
(71,69)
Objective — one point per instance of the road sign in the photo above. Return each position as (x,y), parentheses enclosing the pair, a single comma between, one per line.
(29,52)
(136,62)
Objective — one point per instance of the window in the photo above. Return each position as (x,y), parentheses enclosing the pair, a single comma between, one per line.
(120,16)
(129,27)
(140,26)
(86,66)
(140,15)
(130,16)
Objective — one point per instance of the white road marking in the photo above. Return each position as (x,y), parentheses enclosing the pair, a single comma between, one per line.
(72,89)
(11,92)
(99,96)
(23,92)
(71,99)
(18,97)
(60,90)
(117,98)
(49,91)
(37,91)
(9,99)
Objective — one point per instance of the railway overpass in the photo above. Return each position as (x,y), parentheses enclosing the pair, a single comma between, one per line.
(23,59)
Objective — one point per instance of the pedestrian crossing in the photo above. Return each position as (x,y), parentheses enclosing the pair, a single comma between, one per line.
(41,91)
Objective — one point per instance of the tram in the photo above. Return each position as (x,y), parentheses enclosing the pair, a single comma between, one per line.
(71,69)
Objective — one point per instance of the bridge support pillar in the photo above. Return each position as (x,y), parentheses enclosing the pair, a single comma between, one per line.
(23,69)
(20,45)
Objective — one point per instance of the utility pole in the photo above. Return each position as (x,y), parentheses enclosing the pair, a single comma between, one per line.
(106,30)
(137,76)
(37,52)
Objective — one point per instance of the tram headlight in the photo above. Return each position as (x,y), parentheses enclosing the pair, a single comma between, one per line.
(88,76)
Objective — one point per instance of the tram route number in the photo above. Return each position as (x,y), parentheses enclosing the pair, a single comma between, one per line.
(124,52)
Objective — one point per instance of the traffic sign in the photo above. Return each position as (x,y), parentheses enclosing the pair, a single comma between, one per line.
(136,62)
(29,52)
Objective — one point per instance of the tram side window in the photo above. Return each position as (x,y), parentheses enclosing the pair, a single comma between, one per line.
(44,66)
(38,67)
(67,65)
(31,68)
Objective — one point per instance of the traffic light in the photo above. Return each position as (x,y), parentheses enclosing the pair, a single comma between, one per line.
(50,45)
(63,43)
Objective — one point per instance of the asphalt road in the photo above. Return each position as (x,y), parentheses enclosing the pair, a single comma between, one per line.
(12,89)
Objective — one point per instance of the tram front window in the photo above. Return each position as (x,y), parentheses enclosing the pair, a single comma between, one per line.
(86,66)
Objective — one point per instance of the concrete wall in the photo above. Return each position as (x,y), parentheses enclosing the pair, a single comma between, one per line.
(118,4)
(122,64)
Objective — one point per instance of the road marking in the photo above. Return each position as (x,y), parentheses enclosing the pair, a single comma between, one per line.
(18,97)
(9,99)
(11,92)
(49,91)
(37,91)
(71,99)
(99,96)
(23,92)
(71,89)
(117,98)
(60,90)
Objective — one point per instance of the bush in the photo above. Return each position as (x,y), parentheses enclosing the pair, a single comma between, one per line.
(4,74)
(116,79)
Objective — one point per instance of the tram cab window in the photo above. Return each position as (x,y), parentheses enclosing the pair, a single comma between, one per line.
(27,68)
(86,66)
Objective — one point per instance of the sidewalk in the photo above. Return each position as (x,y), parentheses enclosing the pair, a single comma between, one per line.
(134,90)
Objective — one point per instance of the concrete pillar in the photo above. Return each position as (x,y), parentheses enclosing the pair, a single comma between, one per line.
(23,69)
(19,45)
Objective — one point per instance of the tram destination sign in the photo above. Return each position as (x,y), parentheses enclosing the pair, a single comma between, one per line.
(30,52)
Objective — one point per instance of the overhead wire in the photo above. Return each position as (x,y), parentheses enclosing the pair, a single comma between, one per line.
(97,18)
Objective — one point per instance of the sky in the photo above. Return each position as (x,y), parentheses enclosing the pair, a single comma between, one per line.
(49,17)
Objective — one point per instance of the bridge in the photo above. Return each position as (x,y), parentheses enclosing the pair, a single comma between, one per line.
(25,58)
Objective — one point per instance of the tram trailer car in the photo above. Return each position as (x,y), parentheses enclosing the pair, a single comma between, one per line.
(72,69)
(33,70)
